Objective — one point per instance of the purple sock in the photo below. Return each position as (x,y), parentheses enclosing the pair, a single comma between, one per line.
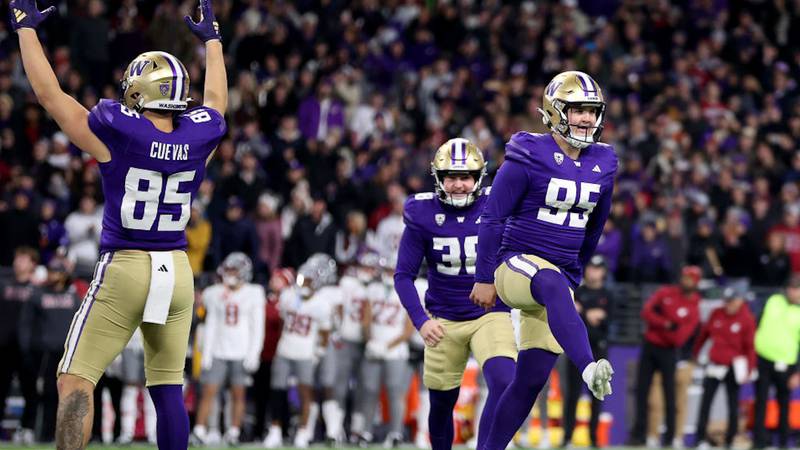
(551,289)
(440,418)
(172,422)
(533,368)
(497,372)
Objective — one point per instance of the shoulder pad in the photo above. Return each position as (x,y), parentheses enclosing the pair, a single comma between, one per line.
(415,205)
(208,118)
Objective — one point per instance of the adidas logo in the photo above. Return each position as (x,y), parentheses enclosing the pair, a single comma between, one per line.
(163,268)
(478,221)
(596,168)
(19,15)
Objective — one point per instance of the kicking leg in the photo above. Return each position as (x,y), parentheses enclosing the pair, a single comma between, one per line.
(533,369)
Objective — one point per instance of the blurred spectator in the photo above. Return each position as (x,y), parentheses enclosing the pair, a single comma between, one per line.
(313,233)
(671,316)
(16,292)
(20,226)
(89,46)
(246,184)
(650,261)
(352,241)
(731,358)
(703,250)
(83,233)
(234,233)
(777,344)
(44,322)
(321,114)
(52,232)
(789,227)
(773,266)
(198,238)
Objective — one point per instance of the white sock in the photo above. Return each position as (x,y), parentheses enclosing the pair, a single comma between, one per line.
(424,409)
(357,423)
(128,410)
(233,432)
(313,415)
(200,431)
(149,417)
(333,418)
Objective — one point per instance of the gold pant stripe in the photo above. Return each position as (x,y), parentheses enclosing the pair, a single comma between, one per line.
(84,310)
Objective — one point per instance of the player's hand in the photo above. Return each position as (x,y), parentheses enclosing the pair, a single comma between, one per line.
(207,28)
(250,364)
(432,332)
(484,295)
(375,350)
(594,316)
(25,14)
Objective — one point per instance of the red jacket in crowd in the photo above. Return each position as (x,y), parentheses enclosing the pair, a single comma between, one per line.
(731,335)
(272,329)
(671,316)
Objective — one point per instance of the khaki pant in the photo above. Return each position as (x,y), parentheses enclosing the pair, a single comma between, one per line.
(683,379)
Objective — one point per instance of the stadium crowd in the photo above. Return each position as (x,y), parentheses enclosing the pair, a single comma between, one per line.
(336,108)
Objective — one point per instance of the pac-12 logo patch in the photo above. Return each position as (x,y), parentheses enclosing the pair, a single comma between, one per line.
(164,88)
(439,218)
(559,158)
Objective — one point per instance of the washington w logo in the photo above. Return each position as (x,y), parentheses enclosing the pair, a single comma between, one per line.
(553,87)
(138,67)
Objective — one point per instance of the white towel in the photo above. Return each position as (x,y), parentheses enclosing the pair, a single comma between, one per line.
(741,369)
(716,371)
(162,283)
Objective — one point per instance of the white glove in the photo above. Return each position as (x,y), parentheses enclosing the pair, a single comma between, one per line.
(376,350)
(251,364)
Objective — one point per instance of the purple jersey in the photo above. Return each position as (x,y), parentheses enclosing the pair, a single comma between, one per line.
(447,238)
(153,176)
(546,204)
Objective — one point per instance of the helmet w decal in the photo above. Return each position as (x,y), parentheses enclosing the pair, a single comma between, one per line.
(155,80)
(572,89)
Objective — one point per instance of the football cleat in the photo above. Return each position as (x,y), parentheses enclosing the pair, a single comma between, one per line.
(572,89)
(458,156)
(597,375)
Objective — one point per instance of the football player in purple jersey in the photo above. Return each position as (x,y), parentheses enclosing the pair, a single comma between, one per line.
(152,154)
(549,202)
(442,228)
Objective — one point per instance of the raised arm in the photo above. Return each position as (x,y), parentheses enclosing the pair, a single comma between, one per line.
(70,115)
(215,92)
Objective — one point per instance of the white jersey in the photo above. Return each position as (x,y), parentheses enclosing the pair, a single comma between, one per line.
(234,326)
(303,321)
(354,297)
(388,318)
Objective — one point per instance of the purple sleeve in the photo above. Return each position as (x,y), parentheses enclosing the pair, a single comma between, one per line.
(409,259)
(508,188)
(594,228)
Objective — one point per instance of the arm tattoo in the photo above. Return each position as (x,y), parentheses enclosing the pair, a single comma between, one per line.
(69,428)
